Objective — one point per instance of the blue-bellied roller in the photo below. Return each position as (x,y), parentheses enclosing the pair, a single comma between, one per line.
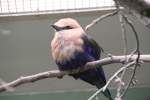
(72,48)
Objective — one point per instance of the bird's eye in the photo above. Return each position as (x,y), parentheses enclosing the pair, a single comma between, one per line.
(68,27)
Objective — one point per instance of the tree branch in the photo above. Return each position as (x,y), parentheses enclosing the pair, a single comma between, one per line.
(110,79)
(95,21)
(56,73)
(2,82)
(138,8)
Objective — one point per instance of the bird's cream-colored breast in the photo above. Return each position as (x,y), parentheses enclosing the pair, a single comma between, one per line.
(65,44)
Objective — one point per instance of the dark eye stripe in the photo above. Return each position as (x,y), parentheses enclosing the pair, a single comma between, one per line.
(66,27)
(62,28)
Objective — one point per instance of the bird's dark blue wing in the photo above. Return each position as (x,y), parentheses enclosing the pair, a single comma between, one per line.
(92,47)
(93,52)
(93,76)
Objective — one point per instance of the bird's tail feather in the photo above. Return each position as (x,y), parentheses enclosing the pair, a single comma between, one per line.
(107,94)
(93,77)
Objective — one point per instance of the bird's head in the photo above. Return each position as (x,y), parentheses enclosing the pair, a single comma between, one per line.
(65,24)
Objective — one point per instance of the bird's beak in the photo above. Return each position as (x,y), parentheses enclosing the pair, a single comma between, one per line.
(55,27)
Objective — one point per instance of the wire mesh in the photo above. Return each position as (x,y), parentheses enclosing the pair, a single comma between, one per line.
(8,7)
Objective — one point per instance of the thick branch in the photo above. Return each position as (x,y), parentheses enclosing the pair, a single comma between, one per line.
(139,8)
(57,73)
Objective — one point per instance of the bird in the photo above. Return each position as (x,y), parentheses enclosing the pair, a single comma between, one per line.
(72,48)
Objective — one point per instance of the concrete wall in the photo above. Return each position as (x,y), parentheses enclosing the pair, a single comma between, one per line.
(24,49)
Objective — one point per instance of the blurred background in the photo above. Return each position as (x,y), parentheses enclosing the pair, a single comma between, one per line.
(25,37)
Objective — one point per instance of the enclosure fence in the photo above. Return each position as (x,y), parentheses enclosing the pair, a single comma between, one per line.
(18,7)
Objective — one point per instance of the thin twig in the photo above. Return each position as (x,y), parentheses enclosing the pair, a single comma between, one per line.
(135,34)
(137,50)
(119,80)
(123,29)
(124,38)
(100,18)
